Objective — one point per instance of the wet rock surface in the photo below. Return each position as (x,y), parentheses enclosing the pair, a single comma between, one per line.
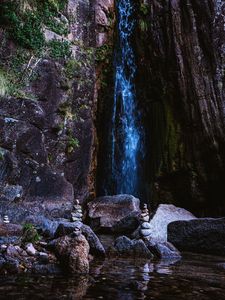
(127,224)
(96,247)
(180,84)
(131,248)
(105,212)
(72,253)
(200,235)
(47,134)
(163,250)
(164,215)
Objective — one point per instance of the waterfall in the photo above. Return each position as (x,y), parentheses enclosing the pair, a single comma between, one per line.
(125,128)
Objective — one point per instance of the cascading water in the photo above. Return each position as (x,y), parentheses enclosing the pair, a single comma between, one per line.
(126,146)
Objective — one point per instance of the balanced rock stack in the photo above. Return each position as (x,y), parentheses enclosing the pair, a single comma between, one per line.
(77,214)
(145,228)
(145,214)
(6,219)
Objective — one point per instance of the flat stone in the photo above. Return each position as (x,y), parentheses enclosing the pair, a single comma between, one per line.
(145,232)
(146,225)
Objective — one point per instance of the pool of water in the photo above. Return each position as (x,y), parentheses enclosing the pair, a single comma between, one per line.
(194,277)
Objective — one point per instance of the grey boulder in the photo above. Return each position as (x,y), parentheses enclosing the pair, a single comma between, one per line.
(206,235)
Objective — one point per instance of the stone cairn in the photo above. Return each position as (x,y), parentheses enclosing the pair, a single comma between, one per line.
(6,219)
(77,214)
(145,228)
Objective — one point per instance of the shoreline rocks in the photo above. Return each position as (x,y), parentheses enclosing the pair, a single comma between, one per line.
(72,253)
(66,228)
(164,215)
(130,248)
(206,235)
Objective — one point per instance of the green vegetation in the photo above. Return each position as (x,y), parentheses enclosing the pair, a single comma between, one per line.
(72,68)
(59,49)
(103,53)
(143,25)
(23,22)
(143,17)
(25,25)
(144,9)
(72,144)
(30,234)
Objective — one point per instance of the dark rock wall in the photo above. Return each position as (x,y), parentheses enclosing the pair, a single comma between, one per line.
(47,136)
(52,128)
(180,50)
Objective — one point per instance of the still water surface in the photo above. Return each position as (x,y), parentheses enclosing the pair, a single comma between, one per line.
(194,277)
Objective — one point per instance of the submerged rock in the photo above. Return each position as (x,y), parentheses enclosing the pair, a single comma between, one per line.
(205,235)
(105,212)
(164,215)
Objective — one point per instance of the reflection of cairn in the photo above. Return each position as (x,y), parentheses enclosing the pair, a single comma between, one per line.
(77,214)
(145,228)
(145,214)
(6,219)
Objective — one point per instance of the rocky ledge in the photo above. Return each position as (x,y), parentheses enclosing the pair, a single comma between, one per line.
(61,245)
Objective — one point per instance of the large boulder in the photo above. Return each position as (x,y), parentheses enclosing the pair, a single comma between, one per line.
(165,214)
(105,212)
(72,253)
(128,224)
(205,235)
(66,228)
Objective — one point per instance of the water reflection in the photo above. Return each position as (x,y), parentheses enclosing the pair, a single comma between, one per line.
(194,277)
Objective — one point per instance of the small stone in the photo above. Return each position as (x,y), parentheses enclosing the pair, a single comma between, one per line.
(3,247)
(43,244)
(145,232)
(12,251)
(77,231)
(76,215)
(38,179)
(75,219)
(146,225)
(30,249)
(6,219)
(145,218)
(43,258)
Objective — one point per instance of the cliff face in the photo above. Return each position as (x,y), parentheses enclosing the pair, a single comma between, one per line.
(56,87)
(180,50)
(47,77)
